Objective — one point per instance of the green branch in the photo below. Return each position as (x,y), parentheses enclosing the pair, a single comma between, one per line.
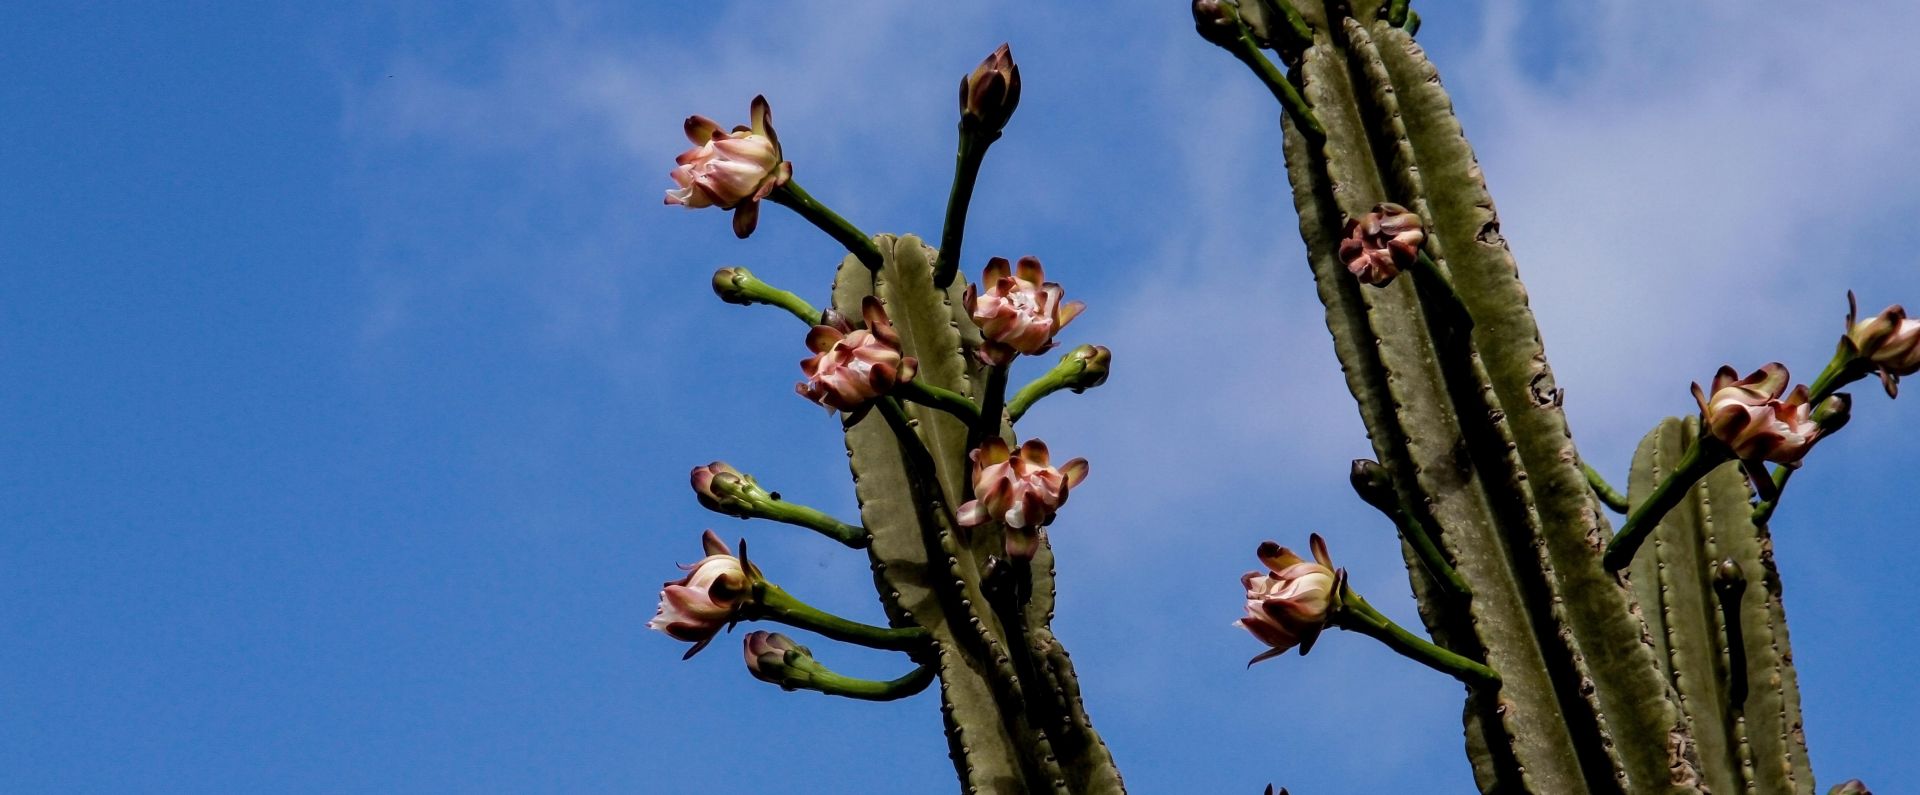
(1080,369)
(791,196)
(1701,458)
(772,603)
(1355,615)
(1609,496)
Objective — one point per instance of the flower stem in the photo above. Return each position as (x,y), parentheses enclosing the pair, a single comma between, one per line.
(1354,614)
(1730,584)
(1427,274)
(793,197)
(994,401)
(947,400)
(1609,496)
(966,170)
(1397,13)
(1248,51)
(1053,381)
(739,286)
(1701,458)
(814,519)
(772,603)
(834,684)
(1375,486)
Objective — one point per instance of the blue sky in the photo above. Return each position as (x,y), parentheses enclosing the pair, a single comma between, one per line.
(351,369)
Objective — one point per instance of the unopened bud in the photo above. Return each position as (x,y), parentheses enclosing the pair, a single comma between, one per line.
(990,94)
(1833,413)
(775,659)
(1371,482)
(734,285)
(1728,580)
(1852,786)
(1218,21)
(723,489)
(1091,363)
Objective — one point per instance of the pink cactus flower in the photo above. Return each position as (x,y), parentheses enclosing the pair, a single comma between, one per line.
(1020,310)
(1750,418)
(849,367)
(1890,341)
(1381,244)
(1022,490)
(1289,605)
(696,607)
(731,171)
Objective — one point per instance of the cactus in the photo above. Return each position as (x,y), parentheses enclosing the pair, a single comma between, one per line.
(1652,660)
(1669,675)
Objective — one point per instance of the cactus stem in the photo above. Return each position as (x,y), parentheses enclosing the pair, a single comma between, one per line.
(1730,584)
(834,684)
(966,170)
(1608,495)
(773,603)
(1397,11)
(1701,457)
(1248,51)
(947,400)
(1356,615)
(791,196)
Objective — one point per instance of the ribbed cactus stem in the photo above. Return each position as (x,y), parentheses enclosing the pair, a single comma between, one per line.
(793,197)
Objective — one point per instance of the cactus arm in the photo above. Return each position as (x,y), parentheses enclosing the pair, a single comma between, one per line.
(940,398)
(791,196)
(1751,741)
(1519,738)
(1608,495)
(772,603)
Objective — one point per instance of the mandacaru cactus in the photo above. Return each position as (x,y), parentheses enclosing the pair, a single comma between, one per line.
(1651,660)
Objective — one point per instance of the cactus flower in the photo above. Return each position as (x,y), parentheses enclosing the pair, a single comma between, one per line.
(1020,489)
(850,367)
(1890,341)
(731,171)
(1750,418)
(696,607)
(1290,604)
(1020,310)
(989,95)
(1381,244)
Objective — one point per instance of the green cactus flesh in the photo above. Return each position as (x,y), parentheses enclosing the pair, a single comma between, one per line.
(1472,431)
(1755,746)
(929,576)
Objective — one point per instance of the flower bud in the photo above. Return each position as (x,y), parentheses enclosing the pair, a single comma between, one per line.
(1218,21)
(1833,413)
(989,95)
(850,367)
(1382,243)
(1021,489)
(1748,416)
(1092,363)
(1020,311)
(733,285)
(696,607)
(1375,487)
(1728,579)
(1290,604)
(731,171)
(723,489)
(775,659)
(1851,786)
(1890,341)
